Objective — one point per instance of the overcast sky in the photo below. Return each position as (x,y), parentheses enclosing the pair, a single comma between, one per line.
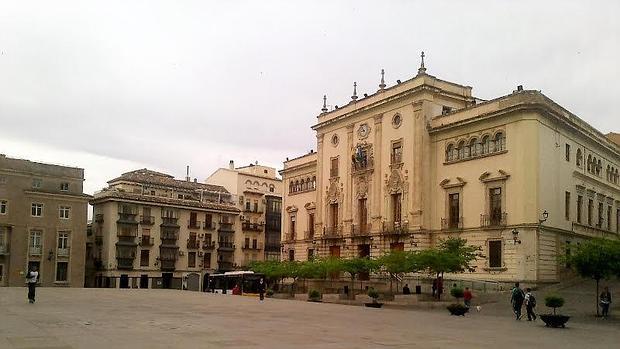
(117,85)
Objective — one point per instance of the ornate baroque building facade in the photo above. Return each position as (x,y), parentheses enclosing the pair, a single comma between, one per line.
(423,160)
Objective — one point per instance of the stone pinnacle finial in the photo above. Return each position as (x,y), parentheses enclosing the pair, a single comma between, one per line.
(324,109)
(382,84)
(422,70)
(354,97)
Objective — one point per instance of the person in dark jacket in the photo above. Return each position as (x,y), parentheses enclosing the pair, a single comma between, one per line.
(406,289)
(605,298)
(32,277)
(261,289)
(516,299)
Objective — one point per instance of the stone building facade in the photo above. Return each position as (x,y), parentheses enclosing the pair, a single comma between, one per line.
(153,231)
(259,197)
(43,214)
(423,160)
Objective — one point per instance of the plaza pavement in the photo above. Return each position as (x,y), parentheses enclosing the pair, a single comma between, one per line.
(113,318)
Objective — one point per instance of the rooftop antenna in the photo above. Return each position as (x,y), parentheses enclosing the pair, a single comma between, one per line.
(382,84)
(422,70)
(187,178)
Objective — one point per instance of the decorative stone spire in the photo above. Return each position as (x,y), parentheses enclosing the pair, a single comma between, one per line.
(422,70)
(324,109)
(382,84)
(354,97)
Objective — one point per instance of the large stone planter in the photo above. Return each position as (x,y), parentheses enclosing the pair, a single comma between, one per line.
(555,321)
(457,309)
(373,305)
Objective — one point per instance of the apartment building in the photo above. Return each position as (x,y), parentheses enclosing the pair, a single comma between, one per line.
(43,214)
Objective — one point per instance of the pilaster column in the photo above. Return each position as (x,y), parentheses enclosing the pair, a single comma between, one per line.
(319,185)
(347,179)
(375,213)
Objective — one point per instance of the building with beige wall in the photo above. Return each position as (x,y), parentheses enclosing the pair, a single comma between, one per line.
(423,160)
(154,231)
(259,194)
(43,214)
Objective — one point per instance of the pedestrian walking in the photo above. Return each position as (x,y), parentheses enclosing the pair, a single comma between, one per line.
(467,296)
(31,278)
(530,304)
(406,289)
(439,288)
(516,299)
(261,289)
(434,288)
(605,298)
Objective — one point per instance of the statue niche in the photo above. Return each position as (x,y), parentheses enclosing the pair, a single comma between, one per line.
(362,158)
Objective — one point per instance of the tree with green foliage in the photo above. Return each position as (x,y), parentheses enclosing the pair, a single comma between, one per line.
(356,266)
(398,262)
(452,255)
(596,259)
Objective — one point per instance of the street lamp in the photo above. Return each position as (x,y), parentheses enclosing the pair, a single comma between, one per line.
(545,215)
(515,236)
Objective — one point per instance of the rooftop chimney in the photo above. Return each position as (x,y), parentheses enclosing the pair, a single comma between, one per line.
(231,164)
(520,88)
(187,175)
(195,180)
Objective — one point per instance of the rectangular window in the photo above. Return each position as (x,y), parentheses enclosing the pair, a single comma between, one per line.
(191,260)
(362,213)
(208,220)
(397,153)
(64,212)
(247,205)
(254,244)
(63,244)
(453,208)
(590,209)
(61,271)
(567,205)
(567,155)
(255,205)
(618,220)
(333,170)
(64,186)
(600,215)
(247,243)
(495,206)
(609,218)
(333,212)
(206,260)
(579,207)
(291,255)
(495,254)
(3,206)
(34,244)
(36,183)
(36,210)
(311,225)
(293,224)
(144,258)
(396,207)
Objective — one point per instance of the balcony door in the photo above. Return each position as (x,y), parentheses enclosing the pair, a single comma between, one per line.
(454,214)
(495,205)
(396,207)
(333,213)
(362,214)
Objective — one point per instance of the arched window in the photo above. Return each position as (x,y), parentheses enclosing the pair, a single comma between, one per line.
(579,158)
(297,185)
(291,187)
(485,145)
(500,141)
(598,168)
(461,150)
(449,153)
(313,182)
(302,185)
(473,147)
(589,167)
(617,176)
(607,173)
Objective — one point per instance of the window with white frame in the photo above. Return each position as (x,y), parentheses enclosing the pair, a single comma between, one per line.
(36,183)
(64,212)
(4,205)
(35,242)
(36,210)
(63,244)
(64,186)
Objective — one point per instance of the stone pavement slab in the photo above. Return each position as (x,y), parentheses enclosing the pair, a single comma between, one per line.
(112,318)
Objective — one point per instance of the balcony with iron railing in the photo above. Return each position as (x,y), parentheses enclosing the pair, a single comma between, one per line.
(225,246)
(360,230)
(395,227)
(257,247)
(34,250)
(63,252)
(167,265)
(4,249)
(208,245)
(125,263)
(194,224)
(209,225)
(290,236)
(169,222)
(147,220)
(193,244)
(309,234)
(495,219)
(452,223)
(127,218)
(227,226)
(332,232)
(247,226)
(169,235)
(252,210)
(146,240)
(127,233)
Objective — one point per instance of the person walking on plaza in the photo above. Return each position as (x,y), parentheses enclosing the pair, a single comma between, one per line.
(434,288)
(406,289)
(530,304)
(467,296)
(605,298)
(517,297)
(439,288)
(31,278)
(261,289)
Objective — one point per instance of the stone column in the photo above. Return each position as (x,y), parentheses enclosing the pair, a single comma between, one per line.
(419,127)
(376,197)
(347,179)
(318,223)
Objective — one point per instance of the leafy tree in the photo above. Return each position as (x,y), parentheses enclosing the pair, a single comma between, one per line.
(399,262)
(357,265)
(596,259)
(553,301)
(452,255)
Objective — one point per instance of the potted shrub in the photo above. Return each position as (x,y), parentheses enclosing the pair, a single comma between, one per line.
(269,293)
(314,296)
(372,293)
(457,308)
(554,320)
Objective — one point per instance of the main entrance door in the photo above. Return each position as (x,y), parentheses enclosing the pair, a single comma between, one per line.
(144,281)
(166,280)
(124,282)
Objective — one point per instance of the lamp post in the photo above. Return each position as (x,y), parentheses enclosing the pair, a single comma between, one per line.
(515,236)
(544,215)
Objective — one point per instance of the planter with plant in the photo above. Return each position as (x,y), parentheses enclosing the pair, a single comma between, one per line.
(314,296)
(372,293)
(269,293)
(554,320)
(457,308)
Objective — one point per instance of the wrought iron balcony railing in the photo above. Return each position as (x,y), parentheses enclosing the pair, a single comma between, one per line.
(360,229)
(396,227)
(332,232)
(452,223)
(496,219)
(147,220)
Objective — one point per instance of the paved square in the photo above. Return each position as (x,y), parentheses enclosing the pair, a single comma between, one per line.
(110,318)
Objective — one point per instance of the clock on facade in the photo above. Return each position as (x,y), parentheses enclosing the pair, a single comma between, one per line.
(363,131)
